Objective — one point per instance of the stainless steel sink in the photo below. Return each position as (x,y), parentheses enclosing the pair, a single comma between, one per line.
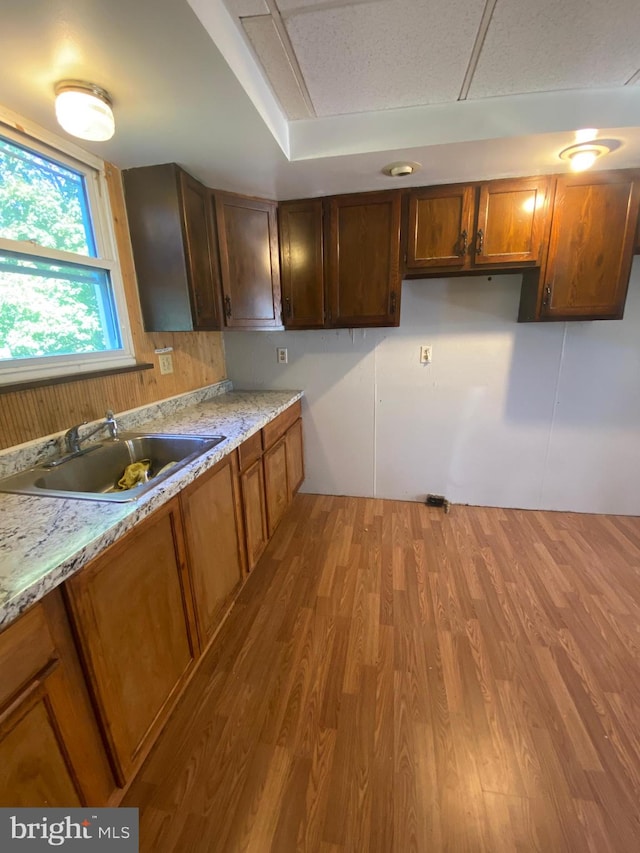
(93,474)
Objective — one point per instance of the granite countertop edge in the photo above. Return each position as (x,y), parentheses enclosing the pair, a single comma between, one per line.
(55,537)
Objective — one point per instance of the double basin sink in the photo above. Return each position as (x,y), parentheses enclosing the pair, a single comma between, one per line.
(94,473)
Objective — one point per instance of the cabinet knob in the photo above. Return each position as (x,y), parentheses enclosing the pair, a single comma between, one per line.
(547,297)
(462,244)
(227,306)
(479,241)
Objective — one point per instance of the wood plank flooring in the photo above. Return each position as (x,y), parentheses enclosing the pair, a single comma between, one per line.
(396,679)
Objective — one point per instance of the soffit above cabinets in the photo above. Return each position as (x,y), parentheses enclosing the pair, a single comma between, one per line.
(372,55)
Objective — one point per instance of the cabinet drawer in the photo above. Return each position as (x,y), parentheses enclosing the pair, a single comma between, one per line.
(278,426)
(26,647)
(249,451)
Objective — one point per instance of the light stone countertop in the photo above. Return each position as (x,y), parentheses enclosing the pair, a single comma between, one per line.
(45,540)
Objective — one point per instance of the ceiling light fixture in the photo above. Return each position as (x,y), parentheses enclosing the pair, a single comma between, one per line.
(586,134)
(581,157)
(84,110)
(401,169)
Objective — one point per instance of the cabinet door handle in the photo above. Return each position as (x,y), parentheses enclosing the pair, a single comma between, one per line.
(287,306)
(462,244)
(547,297)
(479,241)
(393,302)
(227,306)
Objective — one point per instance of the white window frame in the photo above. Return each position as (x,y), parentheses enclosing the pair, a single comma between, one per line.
(66,153)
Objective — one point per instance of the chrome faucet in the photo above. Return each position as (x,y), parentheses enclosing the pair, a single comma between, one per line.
(73,441)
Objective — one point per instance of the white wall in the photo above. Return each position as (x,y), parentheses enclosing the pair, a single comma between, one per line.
(515,415)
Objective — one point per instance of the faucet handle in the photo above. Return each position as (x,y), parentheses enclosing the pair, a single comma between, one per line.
(71,438)
(112,423)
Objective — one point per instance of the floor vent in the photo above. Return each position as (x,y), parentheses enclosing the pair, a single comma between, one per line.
(438,500)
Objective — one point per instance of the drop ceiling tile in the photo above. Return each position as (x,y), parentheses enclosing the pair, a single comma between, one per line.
(549,45)
(266,42)
(247,8)
(288,6)
(392,53)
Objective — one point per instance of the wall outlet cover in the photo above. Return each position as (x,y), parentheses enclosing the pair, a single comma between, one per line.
(166,363)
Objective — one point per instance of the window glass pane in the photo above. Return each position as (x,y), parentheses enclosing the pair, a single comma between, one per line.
(51,308)
(43,201)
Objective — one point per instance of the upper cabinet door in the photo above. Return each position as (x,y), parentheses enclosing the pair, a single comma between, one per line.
(248,239)
(203,267)
(592,240)
(440,227)
(174,249)
(301,263)
(364,260)
(510,226)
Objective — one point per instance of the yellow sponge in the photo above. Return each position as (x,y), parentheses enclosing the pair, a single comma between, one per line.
(134,474)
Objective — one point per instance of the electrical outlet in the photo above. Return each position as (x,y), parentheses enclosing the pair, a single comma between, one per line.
(425,355)
(165,361)
(283,356)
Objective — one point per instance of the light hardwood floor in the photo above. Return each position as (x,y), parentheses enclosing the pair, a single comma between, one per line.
(396,679)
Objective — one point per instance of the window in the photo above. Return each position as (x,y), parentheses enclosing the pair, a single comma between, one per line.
(62,309)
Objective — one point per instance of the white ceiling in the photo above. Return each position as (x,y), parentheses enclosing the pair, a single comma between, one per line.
(370,82)
(362,55)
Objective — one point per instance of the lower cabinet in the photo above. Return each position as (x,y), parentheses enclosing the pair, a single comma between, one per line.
(215,550)
(275,483)
(51,753)
(133,615)
(295,458)
(89,675)
(272,470)
(255,511)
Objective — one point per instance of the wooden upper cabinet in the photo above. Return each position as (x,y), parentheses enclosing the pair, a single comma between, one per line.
(247,231)
(132,610)
(590,252)
(363,259)
(203,260)
(302,263)
(51,753)
(174,249)
(461,227)
(439,227)
(511,221)
(215,548)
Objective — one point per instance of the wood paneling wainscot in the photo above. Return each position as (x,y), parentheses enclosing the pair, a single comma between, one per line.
(198,360)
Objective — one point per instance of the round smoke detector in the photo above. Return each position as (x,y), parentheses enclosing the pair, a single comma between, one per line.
(401,169)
